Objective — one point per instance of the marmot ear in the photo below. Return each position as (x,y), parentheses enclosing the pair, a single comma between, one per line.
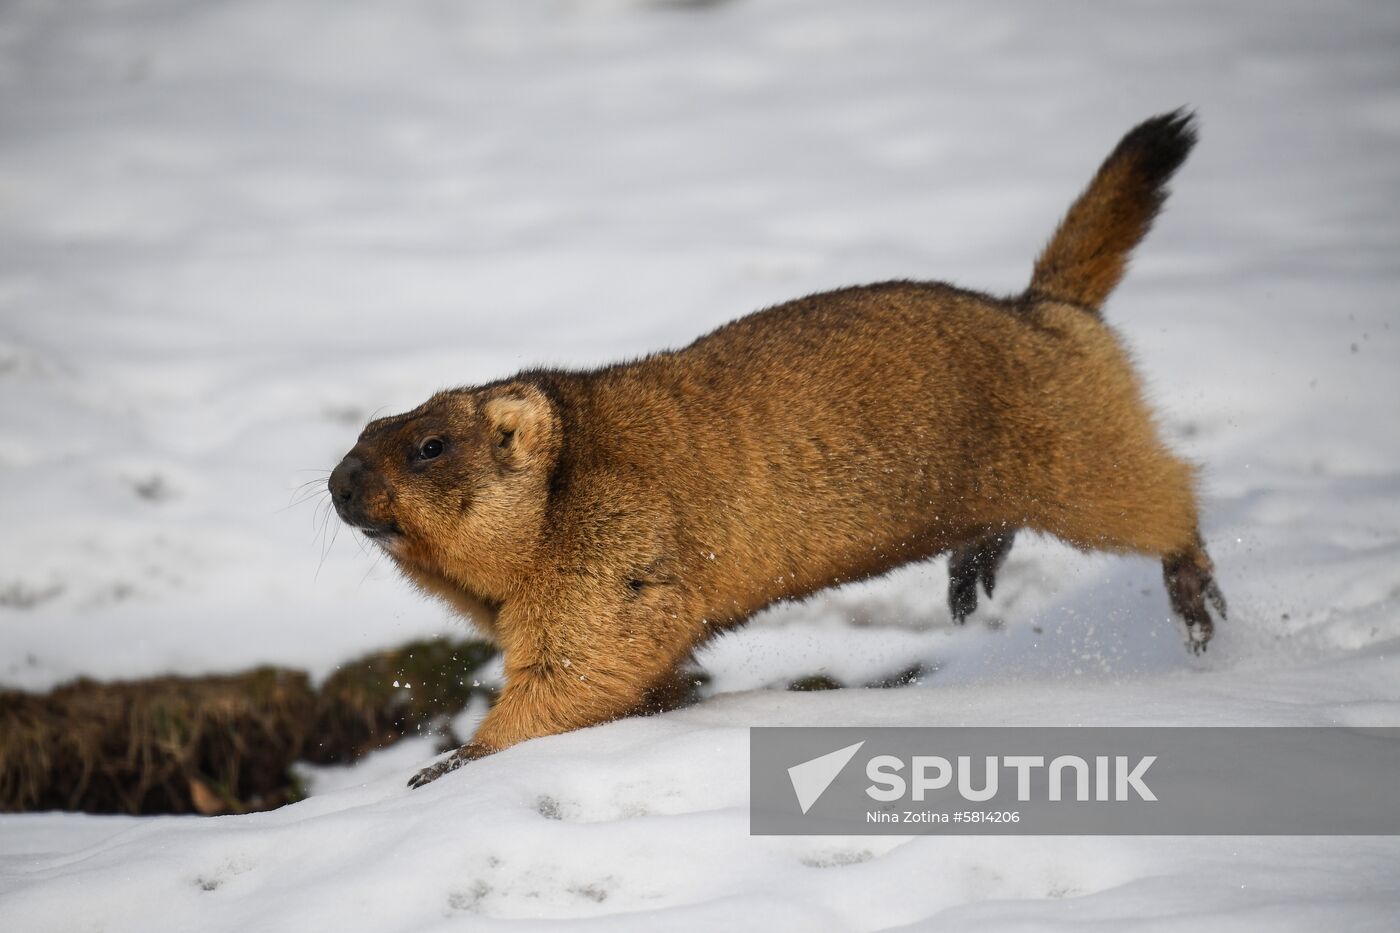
(522,425)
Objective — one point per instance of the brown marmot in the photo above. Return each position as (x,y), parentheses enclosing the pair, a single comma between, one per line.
(600,525)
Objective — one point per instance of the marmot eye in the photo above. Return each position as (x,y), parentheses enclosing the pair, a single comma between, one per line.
(430,448)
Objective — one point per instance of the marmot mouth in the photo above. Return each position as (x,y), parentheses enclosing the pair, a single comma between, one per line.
(380,533)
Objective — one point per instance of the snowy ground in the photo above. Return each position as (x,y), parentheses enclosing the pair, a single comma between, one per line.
(228,233)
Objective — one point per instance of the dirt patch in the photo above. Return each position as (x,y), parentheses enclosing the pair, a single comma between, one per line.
(222,744)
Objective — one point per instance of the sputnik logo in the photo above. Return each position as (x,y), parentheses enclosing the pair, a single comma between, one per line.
(811,778)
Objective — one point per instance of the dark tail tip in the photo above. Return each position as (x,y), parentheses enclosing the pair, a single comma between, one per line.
(1086,258)
(1158,146)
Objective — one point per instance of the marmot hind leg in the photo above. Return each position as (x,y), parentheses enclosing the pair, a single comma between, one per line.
(1129,494)
(1191,587)
(1186,568)
(975,562)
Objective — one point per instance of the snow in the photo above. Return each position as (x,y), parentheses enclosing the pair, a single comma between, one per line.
(229,233)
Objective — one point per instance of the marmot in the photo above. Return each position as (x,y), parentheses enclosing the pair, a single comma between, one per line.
(600,525)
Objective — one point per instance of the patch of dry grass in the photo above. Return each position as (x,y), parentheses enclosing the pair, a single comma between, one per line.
(220,744)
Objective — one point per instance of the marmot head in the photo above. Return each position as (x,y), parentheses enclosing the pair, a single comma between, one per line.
(456,487)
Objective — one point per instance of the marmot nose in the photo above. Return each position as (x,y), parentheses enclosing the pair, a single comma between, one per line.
(345,479)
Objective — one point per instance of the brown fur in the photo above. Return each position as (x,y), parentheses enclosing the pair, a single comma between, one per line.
(600,525)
